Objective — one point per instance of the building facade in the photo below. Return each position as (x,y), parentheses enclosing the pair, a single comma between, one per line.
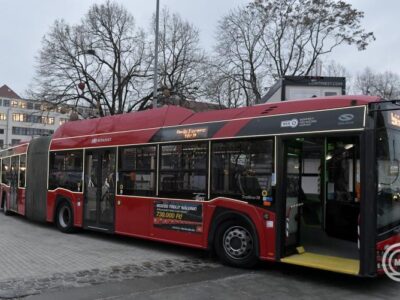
(22,119)
(303,87)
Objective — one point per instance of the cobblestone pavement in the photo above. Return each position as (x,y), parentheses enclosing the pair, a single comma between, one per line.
(267,281)
(37,257)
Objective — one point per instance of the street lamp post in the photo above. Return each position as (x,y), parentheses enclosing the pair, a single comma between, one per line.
(155,92)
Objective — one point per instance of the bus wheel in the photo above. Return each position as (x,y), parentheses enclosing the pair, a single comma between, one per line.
(65,217)
(235,244)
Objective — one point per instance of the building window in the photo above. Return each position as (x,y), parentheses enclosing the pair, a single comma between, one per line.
(17,117)
(183,170)
(6,103)
(136,167)
(29,105)
(15,142)
(66,170)
(48,120)
(38,106)
(1,130)
(3,117)
(31,131)
(330,93)
(242,169)
(22,104)
(63,121)
(46,107)
(31,119)
(1,143)
(14,103)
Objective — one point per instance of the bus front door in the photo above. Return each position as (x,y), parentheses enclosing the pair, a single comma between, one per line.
(293,201)
(302,186)
(99,192)
(320,183)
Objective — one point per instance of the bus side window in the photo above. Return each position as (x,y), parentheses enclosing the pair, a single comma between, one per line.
(5,174)
(66,169)
(183,170)
(343,170)
(137,170)
(22,170)
(242,169)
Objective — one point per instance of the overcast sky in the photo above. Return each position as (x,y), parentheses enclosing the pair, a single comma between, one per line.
(24,22)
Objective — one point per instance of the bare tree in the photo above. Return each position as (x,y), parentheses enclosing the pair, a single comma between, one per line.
(99,63)
(335,69)
(221,88)
(385,85)
(365,81)
(182,62)
(269,39)
(301,31)
(239,53)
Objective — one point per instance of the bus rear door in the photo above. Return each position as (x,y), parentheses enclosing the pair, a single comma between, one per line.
(99,190)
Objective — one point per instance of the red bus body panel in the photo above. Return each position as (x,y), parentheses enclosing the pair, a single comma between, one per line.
(21,201)
(17,150)
(139,127)
(134,215)
(381,247)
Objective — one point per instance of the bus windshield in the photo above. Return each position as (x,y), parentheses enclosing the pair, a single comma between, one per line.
(388,165)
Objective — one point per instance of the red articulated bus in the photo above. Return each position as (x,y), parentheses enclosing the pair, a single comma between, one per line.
(310,182)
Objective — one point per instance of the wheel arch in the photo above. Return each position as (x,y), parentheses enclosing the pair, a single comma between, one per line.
(59,200)
(222,215)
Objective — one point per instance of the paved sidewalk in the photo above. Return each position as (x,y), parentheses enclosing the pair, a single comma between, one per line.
(35,257)
(269,281)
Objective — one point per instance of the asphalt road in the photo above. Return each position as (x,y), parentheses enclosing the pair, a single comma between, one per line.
(267,282)
(39,262)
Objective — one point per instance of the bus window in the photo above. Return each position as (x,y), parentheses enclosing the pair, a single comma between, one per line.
(136,170)
(66,170)
(242,169)
(342,197)
(183,170)
(6,171)
(343,169)
(22,170)
(388,164)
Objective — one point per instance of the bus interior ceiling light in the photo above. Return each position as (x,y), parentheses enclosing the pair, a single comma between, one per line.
(348,146)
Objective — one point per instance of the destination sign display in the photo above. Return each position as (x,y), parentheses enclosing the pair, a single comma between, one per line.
(188,132)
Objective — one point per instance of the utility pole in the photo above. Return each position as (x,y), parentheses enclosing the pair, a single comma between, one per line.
(155,92)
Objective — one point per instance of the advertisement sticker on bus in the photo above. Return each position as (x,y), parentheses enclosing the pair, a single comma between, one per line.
(179,216)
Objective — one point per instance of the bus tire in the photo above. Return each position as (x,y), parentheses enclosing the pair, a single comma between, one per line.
(65,217)
(5,208)
(235,244)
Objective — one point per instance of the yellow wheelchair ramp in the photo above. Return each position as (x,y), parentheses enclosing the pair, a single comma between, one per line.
(324,262)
